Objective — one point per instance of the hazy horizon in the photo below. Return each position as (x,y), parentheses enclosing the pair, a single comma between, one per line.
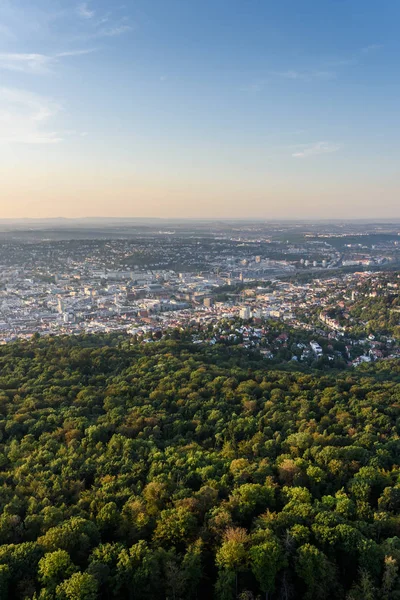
(218,110)
(205,218)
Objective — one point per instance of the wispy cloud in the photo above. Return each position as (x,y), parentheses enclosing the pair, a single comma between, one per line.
(254,87)
(101,25)
(315,149)
(25,118)
(69,53)
(305,75)
(35,63)
(371,48)
(106,32)
(84,11)
(113,31)
(328,67)
(25,63)
(356,57)
(258,85)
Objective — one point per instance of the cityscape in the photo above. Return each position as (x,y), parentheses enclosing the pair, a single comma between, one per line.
(225,282)
(199,300)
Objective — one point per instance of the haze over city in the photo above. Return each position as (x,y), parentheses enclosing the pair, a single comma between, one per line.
(240,109)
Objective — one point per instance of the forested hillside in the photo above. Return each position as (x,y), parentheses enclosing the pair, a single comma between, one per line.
(169,470)
(379,316)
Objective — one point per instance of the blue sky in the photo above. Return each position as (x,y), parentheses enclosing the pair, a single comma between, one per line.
(220,108)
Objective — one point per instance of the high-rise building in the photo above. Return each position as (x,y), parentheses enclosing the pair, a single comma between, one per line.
(244,313)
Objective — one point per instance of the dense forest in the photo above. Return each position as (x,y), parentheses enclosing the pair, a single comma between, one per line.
(175,471)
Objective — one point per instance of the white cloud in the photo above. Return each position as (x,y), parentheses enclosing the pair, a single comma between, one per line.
(25,63)
(74,53)
(371,48)
(307,75)
(315,149)
(327,72)
(254,87)
(84,11)
(35,63)
(112,31)
(103,25)
(295,75)
(357,56)
(25,118)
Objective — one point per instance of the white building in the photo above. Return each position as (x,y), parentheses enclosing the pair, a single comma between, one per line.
(316,348)
(244,313)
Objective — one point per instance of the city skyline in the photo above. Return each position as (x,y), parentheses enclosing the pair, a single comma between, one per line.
(220,110)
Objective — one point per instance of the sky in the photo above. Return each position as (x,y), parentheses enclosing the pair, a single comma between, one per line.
(206,109)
